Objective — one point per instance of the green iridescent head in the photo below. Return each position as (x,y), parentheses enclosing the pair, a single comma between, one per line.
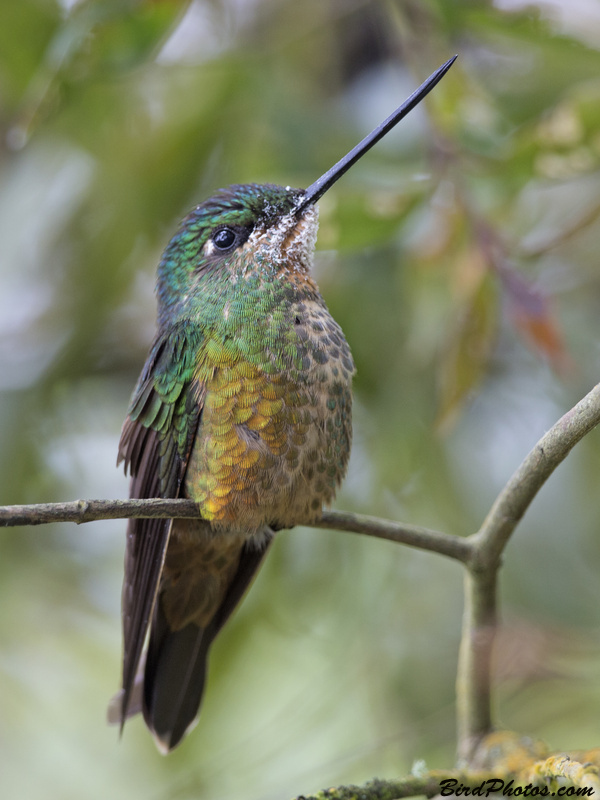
(242,228)
(263,229)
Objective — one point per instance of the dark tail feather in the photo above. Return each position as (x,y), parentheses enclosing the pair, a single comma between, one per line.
(176,660)
(173,680)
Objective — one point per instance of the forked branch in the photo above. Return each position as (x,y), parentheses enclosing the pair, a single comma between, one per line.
(474,675)
(480,553)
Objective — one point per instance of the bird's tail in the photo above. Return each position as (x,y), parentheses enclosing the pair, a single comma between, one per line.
(174,679)
(202,584)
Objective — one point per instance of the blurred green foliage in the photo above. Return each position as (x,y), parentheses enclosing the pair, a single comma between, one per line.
(461,259)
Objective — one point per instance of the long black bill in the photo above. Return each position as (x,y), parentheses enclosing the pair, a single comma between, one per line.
(326,181)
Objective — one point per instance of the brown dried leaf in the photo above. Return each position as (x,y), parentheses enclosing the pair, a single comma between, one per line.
(469,348)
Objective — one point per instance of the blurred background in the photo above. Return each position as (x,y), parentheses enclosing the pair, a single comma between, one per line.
(461,259)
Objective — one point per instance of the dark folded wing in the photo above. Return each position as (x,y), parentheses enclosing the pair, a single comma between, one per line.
(155,444)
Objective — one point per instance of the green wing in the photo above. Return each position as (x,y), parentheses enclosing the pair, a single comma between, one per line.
(155,444)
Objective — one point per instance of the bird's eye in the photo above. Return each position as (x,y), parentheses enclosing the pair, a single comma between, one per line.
(224,238)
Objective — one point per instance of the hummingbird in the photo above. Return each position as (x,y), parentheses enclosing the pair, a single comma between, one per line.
(244,406)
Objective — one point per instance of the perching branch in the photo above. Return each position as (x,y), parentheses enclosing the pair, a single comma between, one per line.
(444,544)
(80,511)
(480,553)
